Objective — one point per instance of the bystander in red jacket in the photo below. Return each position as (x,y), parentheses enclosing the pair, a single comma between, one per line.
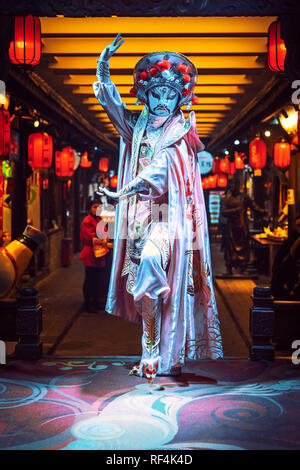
(93,257)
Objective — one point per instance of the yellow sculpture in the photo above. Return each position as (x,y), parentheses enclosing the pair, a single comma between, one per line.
(15,257)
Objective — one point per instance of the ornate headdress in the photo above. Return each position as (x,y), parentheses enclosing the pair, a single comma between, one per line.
(170,69)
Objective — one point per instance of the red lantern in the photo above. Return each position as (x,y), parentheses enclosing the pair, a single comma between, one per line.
(205,184)
(25,49)
(113,181)
(282,154)
(103,164)
(40,150)
(232,167)
(239,165)
(222,181)
(4,133)
(85,162)
(64,163)
(216,166)
(227,166)
(276,48)
(257,154)
(212,181)
(224,165)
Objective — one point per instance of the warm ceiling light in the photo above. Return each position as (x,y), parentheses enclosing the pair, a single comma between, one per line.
(289,122)
(204,107)
(201,114)
(128,62)
(127,80)
(155,25)
(199,89)
(267,133)
(4,100)
(145,45)
(124,90)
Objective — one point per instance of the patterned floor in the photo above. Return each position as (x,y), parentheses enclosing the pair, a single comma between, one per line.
(92,403)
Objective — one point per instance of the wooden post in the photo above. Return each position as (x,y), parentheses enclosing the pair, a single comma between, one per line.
(28,325)
(262,324)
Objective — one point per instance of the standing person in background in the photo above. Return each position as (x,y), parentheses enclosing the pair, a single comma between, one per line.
(237,241)
(285,283)
(93,257)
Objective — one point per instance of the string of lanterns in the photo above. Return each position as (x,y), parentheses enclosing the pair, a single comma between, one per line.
(25,49)
(222,167)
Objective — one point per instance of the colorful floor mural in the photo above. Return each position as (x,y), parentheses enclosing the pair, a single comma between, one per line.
(93,404)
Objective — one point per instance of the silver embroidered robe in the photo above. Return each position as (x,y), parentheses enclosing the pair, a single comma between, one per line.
(190,325)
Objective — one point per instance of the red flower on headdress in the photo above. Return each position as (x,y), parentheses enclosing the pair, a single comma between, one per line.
(185,91)
(133,91)
(195,100)
(143,75)
(182,68)
(153,71)
(186,78)
(163,65)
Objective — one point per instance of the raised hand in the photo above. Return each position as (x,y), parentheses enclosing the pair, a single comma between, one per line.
(103,191)
(111,48)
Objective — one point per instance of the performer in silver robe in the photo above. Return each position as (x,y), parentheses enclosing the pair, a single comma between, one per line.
(161,270)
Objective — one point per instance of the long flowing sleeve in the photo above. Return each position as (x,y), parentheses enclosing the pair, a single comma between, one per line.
(109,97)
(151,182)
(156,174)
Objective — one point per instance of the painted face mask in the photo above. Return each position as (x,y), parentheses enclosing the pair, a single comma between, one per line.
(162,100)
